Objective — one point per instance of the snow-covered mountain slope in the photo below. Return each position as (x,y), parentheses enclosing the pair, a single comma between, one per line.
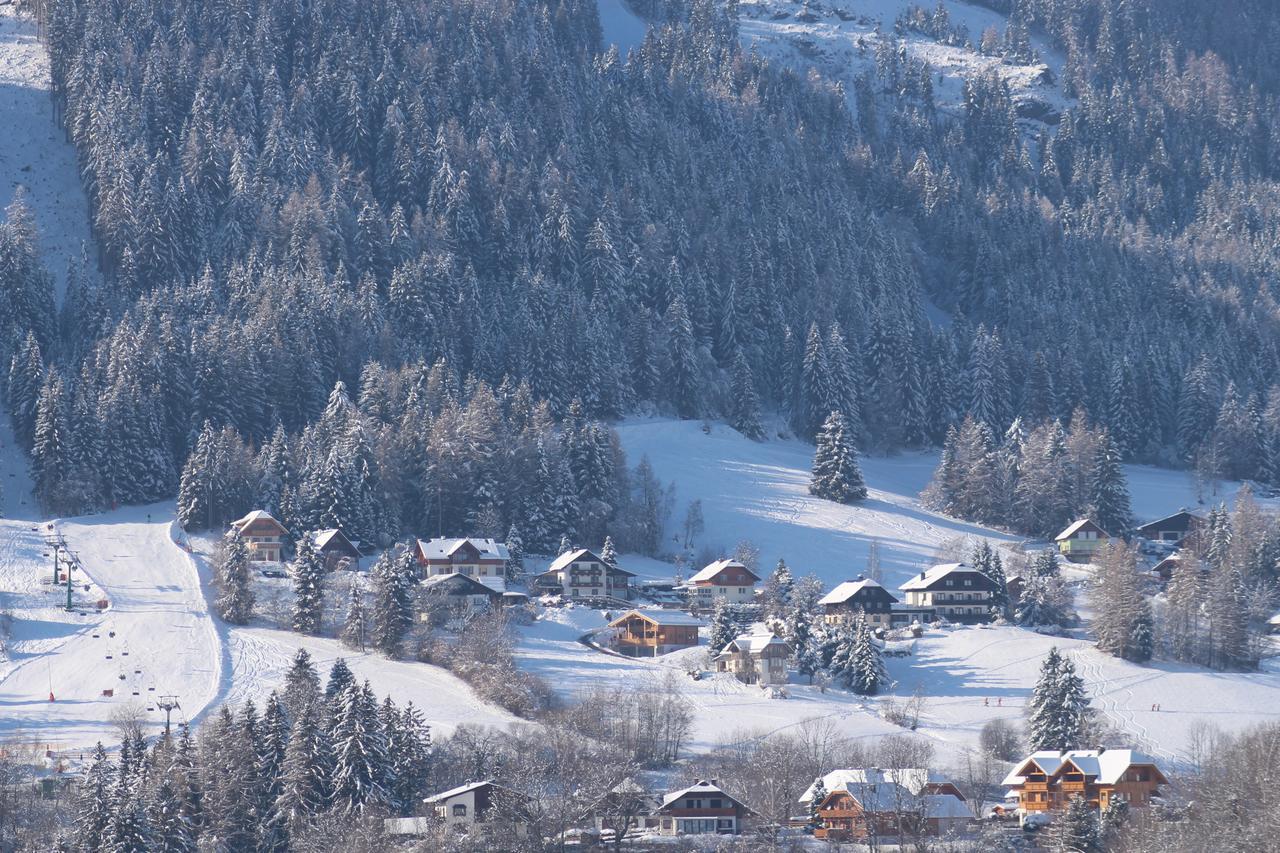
(34,154)
(839,38)
(758,491)
(620,25)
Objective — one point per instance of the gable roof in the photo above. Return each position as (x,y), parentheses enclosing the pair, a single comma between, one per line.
(709,571)
(660,617)
(1077,526)
(334,536)
(847,590)
(928,578)
(1107,765)
(579,556)
(914,779)
(442,548)
(703,787)
(465,585)
(753,644)
(256,515)
(1181,520)
(461,789)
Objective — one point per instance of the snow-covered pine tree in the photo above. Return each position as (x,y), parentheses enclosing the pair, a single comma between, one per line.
(308,574)
(804,651)
(1043,601)
(235,599)
(987,561)
(354,628)
(1108,489)
(51,446)
(819,794)
(1123,621)
(392,604)
(515,555)
(196,485)
(1059,707)
(1045,564)
(301,685)
(836,475)
(340,678)
(744,402)
(866,673)
(359,754)
(776,594)
(304,775)
(1076,830)
(93,812)
(609,552)
(409,754)
(724,626)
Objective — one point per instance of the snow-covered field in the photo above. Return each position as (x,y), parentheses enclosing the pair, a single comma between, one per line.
(620,25)
(758,491)
(839,38)
(34,153)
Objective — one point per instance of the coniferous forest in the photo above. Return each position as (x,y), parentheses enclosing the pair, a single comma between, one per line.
(473,205)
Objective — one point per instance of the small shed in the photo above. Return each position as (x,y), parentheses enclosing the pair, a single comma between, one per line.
(333,546)
(641,633)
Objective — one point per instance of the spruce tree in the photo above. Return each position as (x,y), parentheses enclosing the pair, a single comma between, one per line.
(988,562)
(359,754)
(392,611)
(515,555)
(354,627)
(836,475)
(235,599)
(866,674)
(1059,707)
(724,628)
(1076,829)
(301,685)
(1108,489)
(308,586)
(819,794)
(304,787)
(93,812)
(744,403)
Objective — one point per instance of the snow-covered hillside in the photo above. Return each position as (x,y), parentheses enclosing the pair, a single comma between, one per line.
(34,154)
(839,38)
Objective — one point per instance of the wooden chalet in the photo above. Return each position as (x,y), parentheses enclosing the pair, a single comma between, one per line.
(858,804)
(1172,528)
(860,595)
(756,658)
(1081,541)
(649,633)
(1047,781)
(476,558)
(703,808)
(955,591)
(727,579)
(263,536)
(583,574)
(333,546)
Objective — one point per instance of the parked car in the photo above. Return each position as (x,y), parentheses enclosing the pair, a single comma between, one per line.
(272,573)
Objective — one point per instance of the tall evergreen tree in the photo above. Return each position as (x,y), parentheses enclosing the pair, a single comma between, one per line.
(231,576)
(836,475)
(308,573)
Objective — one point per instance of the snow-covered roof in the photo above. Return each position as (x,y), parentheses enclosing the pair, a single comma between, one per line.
(1180,514)
(321,538)
(453,792)
(928,578)
(707,788)
(752,643)
(1274,620)
(582,555)
(847,590)
(662,617)
(444,548)
(1108,765)
(256,515)
(495,583)
(1075,527)
(709,571)
(914,779)
(946,806)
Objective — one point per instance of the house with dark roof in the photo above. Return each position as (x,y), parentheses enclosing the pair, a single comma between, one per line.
(1172,528)
(333,546)
(955,591)
(584,575)
(860,595)
(1081,541)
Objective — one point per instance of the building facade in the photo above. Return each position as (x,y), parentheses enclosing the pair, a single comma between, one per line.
(475,558)
(860,595)
(263,536)
(582,574)
(703,808)
(955,591)
(649,633)
(1081,541)
(756,659)
(727,579)
(1047,781)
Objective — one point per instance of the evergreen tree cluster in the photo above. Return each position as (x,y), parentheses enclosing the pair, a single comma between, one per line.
(1036,482)
(251,780)
(1058,714)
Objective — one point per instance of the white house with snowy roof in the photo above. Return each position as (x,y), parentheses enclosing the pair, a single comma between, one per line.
(860,595)
(727,579)
(703,808)
(583,574)
(470,556)
(955,591)
(263,536)
(756,658)
(461,808)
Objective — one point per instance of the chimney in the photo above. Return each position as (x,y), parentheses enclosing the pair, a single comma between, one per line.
(922,574)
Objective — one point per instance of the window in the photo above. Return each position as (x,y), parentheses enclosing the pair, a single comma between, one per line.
(717,804)
(968,582)
(950,582)
(460,810)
